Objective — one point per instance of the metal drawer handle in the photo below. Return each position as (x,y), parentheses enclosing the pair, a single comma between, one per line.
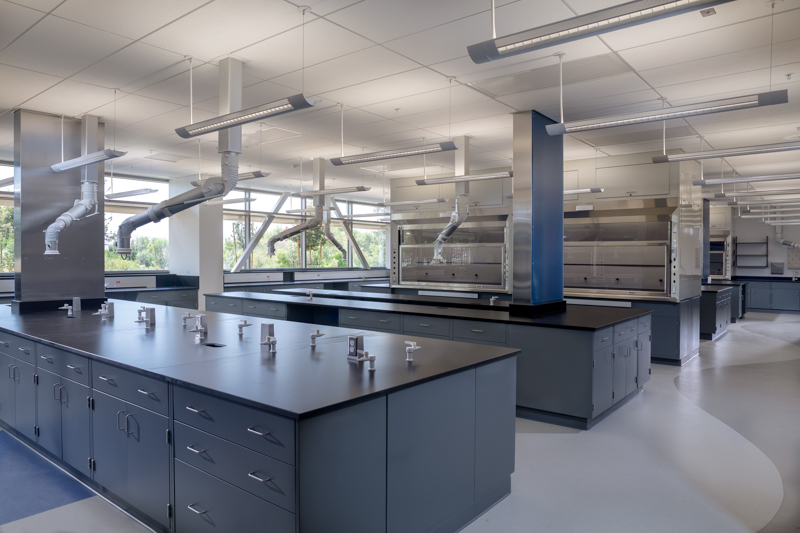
(54,390)
(126,425)
(119,428)
(48,359)
(384,321)
(59,395)
(425,325)
(24,350)
(477,331)
(273,308)
(231,305)
(604,339)
(192,409)
(251,306)
(192,509)
(4,343)
(103,378)
(10,376)
(191,448)
(256,432)
(253,475)
(146,393)
(73,367)
(352,318)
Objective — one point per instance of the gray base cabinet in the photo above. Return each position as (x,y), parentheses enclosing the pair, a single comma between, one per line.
(8,394)
(675,329)
(773,296)
(64,420)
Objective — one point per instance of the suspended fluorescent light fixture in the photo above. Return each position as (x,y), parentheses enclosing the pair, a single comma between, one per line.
(237,118)
(751,179)
(242,177)
(306,210)
(326,192)
(392,154)
(137,192)
(472,177)
(594,23)
(366,215)
(772,210)
(89,159)
(231,201)
(413,202)
(777,215)
(748,203)
(729,152)
(6,182)
(782,222)
(771,192)
(685,111)
(582,191)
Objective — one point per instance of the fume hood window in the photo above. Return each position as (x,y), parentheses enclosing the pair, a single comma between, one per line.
(150,243)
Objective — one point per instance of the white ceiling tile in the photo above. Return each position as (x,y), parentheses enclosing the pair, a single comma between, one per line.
(429,47)
(129,65)
(14,21)
(459,114)
(283,53)
(131,109)
(226,26)
(708,68)
(421,80)
(129,19)
(164,125)
(70,98)
(26,84)
(352,69)
(205,85)
(60,47)
(744,83)
(429,101)
(40,5)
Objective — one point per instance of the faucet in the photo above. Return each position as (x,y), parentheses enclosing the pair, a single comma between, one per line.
(104,311)
(243,324)
(69,310)
(363,355)
(410,349)
(314,337)
(186,316)
(149,317)
(268,337)
(492,299)
(271,342)
(200,326)
(310,294)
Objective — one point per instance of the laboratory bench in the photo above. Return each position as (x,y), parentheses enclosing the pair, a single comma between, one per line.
(715,311)
(219,434)
(738,296)
(574,369)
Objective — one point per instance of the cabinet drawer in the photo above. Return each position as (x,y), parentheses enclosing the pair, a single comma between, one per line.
(271,309)
(237,465)
(602,338)
(18,347)
(356,287)
(135,388)
(759,285)
(644,325)
(370,320)
(153,297)
(260,431)
(626,330)
(65,364)
(473,330)
(186,304)
(205,504)
(426,325)
(223,305)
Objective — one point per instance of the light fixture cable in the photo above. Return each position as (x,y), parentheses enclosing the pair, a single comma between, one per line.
(560,56)
(494,25)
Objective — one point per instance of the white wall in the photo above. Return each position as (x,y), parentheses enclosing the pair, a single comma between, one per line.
(750,230)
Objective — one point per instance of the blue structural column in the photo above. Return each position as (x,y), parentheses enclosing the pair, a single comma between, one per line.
(538,240)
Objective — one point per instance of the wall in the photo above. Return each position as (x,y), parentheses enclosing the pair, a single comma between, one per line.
(750,230)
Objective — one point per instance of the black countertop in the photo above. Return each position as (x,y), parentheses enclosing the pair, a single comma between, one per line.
(297,382)
(300,282)
(580,317)
(149,289)
(464,303)
(716,288)
(727,282)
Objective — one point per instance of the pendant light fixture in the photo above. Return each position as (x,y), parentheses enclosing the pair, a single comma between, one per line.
(751,179)
(392,154)
(86,160)
(473,177)
(575,28)
(729,152)
(686,111)
(745,194)
(327,192)
(583,191)
(137,192)
(412,202)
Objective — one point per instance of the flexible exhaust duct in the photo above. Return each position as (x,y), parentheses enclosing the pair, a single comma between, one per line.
(780,240)
(208,189)
(88,201)
(311,223)
(456,219)
(337,244)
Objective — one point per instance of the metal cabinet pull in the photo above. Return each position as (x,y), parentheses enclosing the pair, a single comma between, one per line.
(25,350)
(126,425)
(48,359)
(231,305)
(384,321)
(146,393)
(273,309)
(192,409)
(477,331)
(103,378)
(9,372)
(73,367)
(352,318)
(14,373)
(119,428)
(253,475)
(251,306)
(192,449)
(604,339)
(192,509)
(54,390)
(256,432)
(425,325)
(4,343)
(59,395)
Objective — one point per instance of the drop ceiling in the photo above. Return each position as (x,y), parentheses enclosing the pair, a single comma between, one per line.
(388,62)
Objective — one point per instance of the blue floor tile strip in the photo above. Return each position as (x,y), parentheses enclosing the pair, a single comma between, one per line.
(31,485)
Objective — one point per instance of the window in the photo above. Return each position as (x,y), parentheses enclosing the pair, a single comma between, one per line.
(149,243)
(371,237)
(7,221)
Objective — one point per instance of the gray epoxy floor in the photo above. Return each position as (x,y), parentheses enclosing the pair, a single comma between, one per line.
(712,447)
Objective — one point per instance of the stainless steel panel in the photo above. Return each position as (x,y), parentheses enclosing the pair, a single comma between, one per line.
(522,232)
(616,277)
(40,196)
(473,264)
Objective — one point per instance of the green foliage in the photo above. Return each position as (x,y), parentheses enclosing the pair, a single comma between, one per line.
(6,238)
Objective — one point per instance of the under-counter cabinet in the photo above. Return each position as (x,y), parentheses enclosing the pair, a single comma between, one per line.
(18,395)
(65,420)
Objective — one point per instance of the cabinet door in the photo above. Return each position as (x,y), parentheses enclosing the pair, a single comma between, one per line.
(620,350)
(50,412)
(631,365)
(25,399)
(148,463)
(602,380)
(110,443)
(7,395)
(75,425)
(759,299)
(644,346)
(786,299)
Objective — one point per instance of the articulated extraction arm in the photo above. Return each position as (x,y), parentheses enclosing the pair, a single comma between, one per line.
(456,219)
